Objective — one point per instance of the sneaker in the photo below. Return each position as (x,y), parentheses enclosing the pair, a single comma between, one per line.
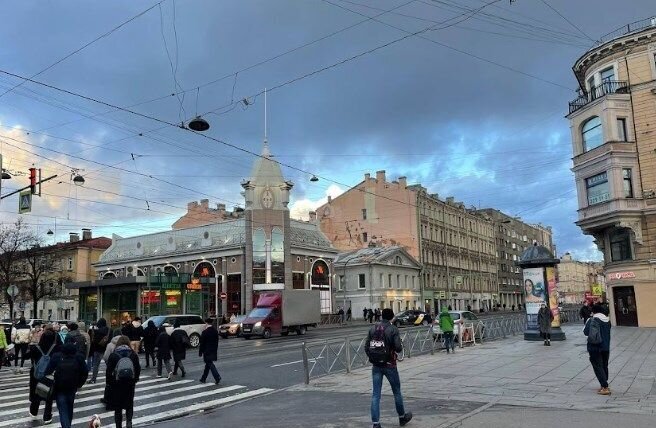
(376,425)
(33,416)
(170,375)
(202,381)
(604,391)
(91,381)
(405,418)
(47,421)
(218,381)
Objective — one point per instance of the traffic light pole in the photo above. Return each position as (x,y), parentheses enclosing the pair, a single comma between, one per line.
(29,187)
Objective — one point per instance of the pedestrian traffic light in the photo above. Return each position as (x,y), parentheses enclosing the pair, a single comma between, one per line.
(33,180)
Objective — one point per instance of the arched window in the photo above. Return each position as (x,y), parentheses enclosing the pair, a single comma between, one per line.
(259,257)
(109,275)
(320,273)
(592,133)
(170,271)
(204,270)
(277,256)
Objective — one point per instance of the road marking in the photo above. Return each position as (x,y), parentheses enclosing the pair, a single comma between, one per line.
(196,407)
(311,360)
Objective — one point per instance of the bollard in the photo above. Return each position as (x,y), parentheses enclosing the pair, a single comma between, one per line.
(347,344)
(327,357)
(306,364)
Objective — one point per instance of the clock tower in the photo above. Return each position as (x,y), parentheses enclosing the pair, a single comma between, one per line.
(268,251)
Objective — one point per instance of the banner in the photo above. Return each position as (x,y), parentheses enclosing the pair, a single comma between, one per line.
(552,287)
(534,295)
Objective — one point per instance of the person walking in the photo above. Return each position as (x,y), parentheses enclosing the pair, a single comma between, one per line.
(349,314)
(585,313)
(446,326)
(382,344)
(99,339)
(47,346)
(340,312)
(364,313)
(70,373)
(545,317)
(149,338)
(20,336)
(82,327)
(178,342)
(163,352)
(35,335)
(134,331)
(209,350)
(76,338)
(62,334)
(376,315)
(3,346)
(123,371)
(370,315)
(597,329)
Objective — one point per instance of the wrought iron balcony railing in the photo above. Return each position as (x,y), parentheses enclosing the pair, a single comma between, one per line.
(599,91)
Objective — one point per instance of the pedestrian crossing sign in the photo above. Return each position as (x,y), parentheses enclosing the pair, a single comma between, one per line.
(25,202)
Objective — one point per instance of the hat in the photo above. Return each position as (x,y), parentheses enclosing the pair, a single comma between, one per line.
(388,314)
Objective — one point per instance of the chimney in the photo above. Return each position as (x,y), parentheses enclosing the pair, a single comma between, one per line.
(380,176)
(450,200)
(205,204)
(367,176)
(191,206)
(74,237)
(86,234)
(330,199)
(403,182)
(221,207)
(313,216)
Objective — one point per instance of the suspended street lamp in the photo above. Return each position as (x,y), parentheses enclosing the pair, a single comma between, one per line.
(314,179)
(5,175)
(50,232)
(78,179)
(198,124)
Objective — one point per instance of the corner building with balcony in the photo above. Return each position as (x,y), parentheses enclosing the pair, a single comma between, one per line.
(614,145)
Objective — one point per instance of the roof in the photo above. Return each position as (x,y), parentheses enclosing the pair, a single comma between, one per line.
(374,255)
(266,172)
(101,243)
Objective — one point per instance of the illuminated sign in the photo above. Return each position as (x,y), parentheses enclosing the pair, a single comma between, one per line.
(614,276)
(195,284)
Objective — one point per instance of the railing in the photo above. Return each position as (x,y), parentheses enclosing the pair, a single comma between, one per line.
(633,27)
(327,319)
(596,92)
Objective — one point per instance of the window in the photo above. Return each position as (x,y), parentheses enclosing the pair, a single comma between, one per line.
(597,188)
(592,133)
(627,183)
(341,282)
(364,236)
(607,75)
(621,129)
(398,281)
(389,280)
(364,214)
(70,263)
(591,83)
(620,245)
(361,281)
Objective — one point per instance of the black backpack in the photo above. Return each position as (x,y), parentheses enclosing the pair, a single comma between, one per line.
(379,351)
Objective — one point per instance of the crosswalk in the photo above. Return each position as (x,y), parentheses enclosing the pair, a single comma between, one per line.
(156,399)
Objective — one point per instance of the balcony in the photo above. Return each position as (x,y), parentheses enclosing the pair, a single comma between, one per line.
(594,213)
(612,147)
(607,87)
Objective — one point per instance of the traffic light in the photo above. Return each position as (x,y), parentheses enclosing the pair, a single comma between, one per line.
(33,180)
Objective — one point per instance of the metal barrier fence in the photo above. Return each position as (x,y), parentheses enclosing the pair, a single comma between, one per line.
(325,357)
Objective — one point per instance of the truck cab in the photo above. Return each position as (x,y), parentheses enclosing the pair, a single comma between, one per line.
(262,321)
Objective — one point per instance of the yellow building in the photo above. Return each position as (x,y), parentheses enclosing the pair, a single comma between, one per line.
(578,280)
(614,147)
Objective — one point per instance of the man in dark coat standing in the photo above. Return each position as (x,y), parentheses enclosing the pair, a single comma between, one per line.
(149,338)
(209,350)
(178,342)
(163,352)
(120,392)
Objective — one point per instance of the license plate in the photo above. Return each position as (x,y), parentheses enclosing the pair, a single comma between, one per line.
(247,330)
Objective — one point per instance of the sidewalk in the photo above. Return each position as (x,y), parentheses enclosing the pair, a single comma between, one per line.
(514,372)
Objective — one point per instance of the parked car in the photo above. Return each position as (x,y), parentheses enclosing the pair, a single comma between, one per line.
(467,317)
(232,328)
(411,318)
(33,322)
(192,324)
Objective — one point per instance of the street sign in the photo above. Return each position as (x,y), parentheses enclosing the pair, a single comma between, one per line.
(21,306)
(597,290)
(25,202)
(12,290)
(224,296)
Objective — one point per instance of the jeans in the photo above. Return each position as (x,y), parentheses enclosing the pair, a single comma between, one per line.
(118,417)
(150,355)
(22,349)
(178,363)
(47,409)
(167,364)
(392,375)
(97,356)
(449,342)
(65,402)
(209,366)
(599,361)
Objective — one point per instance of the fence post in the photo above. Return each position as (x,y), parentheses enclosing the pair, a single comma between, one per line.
(432,341)
(327,357)
(347,344)
(306,364)
(460,335)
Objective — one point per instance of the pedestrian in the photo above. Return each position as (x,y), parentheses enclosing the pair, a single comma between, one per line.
(340,312)
(47,346)
(70,373)
(446,326)
(585,313)
(598,331)
(348,314)
(149,338)
(99,339)
(76,338)
(62,335)
(450,308)
(376,315)
(209,350)
(178,342)
(87,338)
(163,352)
(35,335)
(469,308)
(513,308)
(504,306)
(134,331)
(364,313)
(122,375)
(519,306)
(3,346)
(20,336)
(382,344)
(370,315)
(545,317)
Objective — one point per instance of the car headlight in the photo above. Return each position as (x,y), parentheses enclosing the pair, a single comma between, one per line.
(241,325)
(258,324)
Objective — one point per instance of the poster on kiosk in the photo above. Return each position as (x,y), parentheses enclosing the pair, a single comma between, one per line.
(534,293)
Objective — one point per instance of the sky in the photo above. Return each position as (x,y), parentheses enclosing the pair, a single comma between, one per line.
(466,97)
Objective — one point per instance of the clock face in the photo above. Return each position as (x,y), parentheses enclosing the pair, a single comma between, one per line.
(267,199)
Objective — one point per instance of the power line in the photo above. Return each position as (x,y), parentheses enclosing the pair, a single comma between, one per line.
(567,20)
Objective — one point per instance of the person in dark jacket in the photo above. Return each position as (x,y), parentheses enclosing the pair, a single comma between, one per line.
(149,338)
(70,373)
(47,343)
(134,331)
(119,393)
(209,350)
(599,352)
(178,342)
(545,317)
(392,341)
(585,312)
(163,352)
(76,338)
(100,337)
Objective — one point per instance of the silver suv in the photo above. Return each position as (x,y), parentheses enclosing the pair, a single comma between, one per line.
(192,324)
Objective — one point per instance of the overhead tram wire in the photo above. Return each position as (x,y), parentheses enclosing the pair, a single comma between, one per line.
(86,45)
(568,21)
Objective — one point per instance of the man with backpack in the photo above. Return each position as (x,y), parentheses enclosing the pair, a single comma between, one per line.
(178,341)
(41,354)
(76,338)
(381,346)
(134,331)
(123,371)
(598,331)
(70,374)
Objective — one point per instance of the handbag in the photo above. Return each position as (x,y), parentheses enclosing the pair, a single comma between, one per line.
(44,387)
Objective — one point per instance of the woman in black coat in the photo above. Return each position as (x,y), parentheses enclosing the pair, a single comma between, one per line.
(100,337)
(163,352)
(46,343)
(149,338)
(119,394)
(178,342)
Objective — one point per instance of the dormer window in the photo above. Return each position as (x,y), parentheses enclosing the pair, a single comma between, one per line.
(592,134)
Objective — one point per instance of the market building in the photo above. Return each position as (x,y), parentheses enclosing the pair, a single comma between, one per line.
(217,267)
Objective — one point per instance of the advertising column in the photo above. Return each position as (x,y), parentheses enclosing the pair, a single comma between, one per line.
(534,294)
(552,288)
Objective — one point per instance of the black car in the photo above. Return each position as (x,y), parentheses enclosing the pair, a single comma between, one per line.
(412,318)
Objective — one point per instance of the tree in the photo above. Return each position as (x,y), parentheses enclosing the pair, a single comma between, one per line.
(14,240)
(43,273)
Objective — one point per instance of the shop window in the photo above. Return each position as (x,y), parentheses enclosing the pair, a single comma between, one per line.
(277,256)
(621,129)
(592,133)
(598,188)
(297,280)
(620,244)
(627,182)
(259,257)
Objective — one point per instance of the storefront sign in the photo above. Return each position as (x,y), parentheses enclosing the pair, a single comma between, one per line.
(195,284)
(534,292)
(441,294)
(552,287)
(614,276)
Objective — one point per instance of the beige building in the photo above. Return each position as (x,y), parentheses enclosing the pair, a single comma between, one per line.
(454,244)
(577,279)
(614,160)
